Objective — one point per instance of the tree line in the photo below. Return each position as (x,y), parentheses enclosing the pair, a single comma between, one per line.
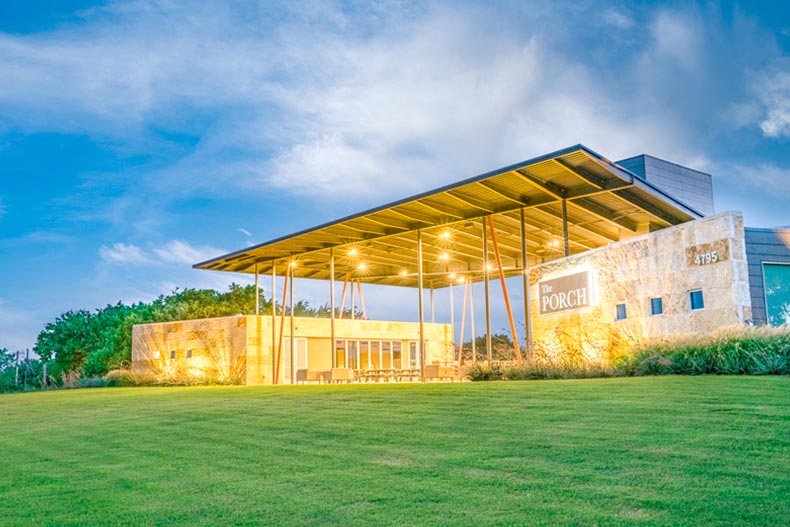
(95,342)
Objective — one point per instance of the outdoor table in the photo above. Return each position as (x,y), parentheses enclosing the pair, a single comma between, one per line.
(388,374)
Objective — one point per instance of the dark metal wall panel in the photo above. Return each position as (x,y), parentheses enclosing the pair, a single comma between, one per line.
(764,245)
(634,164)
(689,186)
(692,187)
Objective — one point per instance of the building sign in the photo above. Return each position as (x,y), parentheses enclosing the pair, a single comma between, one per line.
(565,293)
(708,253)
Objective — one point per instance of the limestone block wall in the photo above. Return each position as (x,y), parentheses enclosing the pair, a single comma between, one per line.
(667,264)
(214,347)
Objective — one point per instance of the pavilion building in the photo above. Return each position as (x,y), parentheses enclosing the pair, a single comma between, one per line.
(605,254)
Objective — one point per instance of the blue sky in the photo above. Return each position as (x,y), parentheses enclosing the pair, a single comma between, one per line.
(139,137)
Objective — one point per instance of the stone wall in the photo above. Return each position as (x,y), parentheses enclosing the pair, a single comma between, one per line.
(667,264)
(240,348)
(213,348)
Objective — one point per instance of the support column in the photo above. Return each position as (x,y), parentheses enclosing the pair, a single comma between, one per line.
(291,301)
(452,313)
(472,319)
(353,314)
(257,293)
(525,281)
(274,324)
(421,344)
(489,354)
(433,318)
(565,227)
(332,304)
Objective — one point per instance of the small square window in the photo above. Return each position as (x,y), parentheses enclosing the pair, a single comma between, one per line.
(696,300)
(621,313)
(172,354)
(189,354)
(656,306)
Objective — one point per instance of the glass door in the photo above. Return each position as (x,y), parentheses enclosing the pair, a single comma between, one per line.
(300,356)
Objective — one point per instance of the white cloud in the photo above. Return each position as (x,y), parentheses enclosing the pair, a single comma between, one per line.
(774,91)
(178,251)
(617,19)
(434,102)
(123,253)
(372,101)
(773,179)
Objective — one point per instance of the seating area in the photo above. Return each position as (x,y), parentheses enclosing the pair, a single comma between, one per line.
(348,375)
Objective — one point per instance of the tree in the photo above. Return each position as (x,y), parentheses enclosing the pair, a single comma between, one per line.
(68,340)
(501,348)
(96,342)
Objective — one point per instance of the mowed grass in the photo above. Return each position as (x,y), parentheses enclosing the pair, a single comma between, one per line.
(636,451)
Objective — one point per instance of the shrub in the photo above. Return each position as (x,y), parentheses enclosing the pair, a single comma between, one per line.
(125,377)
(730,351)
(92,382)
(483,372)
(70,379)
(738,350)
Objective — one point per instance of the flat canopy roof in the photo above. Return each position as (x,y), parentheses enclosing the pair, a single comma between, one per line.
(604,203)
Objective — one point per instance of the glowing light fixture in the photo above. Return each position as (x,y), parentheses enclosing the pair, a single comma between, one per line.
(555,243)
(362,267)
(444,256)
(461,280)
(445,235)
(353,252)
(489,267)
(403,272)
(452,275)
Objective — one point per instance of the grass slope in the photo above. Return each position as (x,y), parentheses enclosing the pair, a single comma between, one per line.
(636,451)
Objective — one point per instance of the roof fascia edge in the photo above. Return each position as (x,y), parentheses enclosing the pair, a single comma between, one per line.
(643,184)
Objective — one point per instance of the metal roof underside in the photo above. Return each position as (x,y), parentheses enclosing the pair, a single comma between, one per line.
(605,203)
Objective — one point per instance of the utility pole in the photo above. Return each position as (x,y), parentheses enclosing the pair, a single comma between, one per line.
(27,363)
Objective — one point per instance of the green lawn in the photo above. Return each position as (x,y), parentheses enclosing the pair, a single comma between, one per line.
(638,451)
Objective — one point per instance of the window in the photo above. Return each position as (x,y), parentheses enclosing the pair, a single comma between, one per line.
(696,300)
(621,313)
(368,354)
(172,354)
(414,355)
(777,293)
(189,354)
(656,306)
